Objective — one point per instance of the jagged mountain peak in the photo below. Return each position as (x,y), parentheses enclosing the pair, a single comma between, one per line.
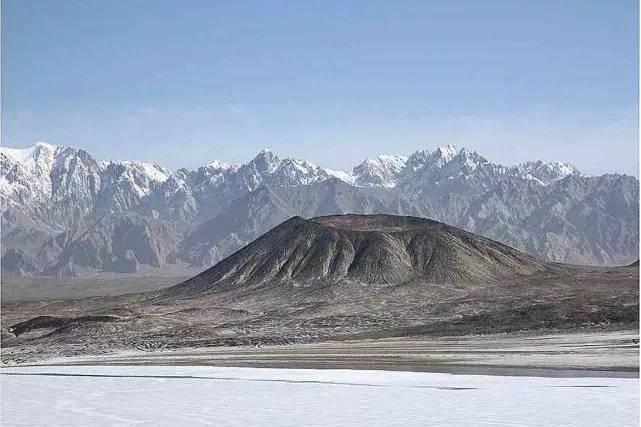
(38,158)
(130,181)
(151,171)
(266,161)
(298,172)
(26,173)
(432,158)
(384,159)
(220,166)
(548,209)
(24,155)
(448,166)
(547,172)
(447,152)
(443,155)
(382,170)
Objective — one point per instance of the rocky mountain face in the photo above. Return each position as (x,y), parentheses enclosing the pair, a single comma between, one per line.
(65,213)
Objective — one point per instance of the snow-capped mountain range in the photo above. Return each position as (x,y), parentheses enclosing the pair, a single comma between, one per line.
(65,213)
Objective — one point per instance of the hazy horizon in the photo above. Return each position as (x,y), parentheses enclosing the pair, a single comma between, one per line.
(181,86)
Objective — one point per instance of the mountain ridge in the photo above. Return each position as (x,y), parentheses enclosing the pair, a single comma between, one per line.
(550,210)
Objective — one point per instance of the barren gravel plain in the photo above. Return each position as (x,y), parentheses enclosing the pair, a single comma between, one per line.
(579,354)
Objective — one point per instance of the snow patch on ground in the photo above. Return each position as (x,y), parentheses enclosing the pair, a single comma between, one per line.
(203,395)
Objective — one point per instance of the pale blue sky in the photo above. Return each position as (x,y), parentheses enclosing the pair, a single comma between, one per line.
(184,82)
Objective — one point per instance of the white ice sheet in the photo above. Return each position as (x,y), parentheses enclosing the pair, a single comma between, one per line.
(159,396)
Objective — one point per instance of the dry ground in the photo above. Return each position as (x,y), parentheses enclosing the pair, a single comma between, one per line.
(608,353)
(586,299)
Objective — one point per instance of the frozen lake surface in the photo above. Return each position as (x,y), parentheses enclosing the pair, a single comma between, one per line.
(202,395)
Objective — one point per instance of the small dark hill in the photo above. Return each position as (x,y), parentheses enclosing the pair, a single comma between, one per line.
(364,249)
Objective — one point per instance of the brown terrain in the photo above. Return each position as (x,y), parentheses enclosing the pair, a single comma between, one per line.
(337,279)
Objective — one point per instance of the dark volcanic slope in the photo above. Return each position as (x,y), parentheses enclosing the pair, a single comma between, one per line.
(365,249)
(336,277)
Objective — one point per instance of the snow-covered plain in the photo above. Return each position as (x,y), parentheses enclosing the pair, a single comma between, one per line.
(202,395)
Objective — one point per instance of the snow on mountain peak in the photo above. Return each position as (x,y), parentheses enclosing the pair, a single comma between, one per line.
(151,171)
(547,172)
(382,170)
(563,168)
(71,191)
(439,157)
(139,177)
(447,152)
(155,172)
(45,145)
(217,165)
(29,154)
(344,176)
(43,171)
(471,159)
(302,166)
(299,172)
(392,158)
(26,171)
(266,161)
